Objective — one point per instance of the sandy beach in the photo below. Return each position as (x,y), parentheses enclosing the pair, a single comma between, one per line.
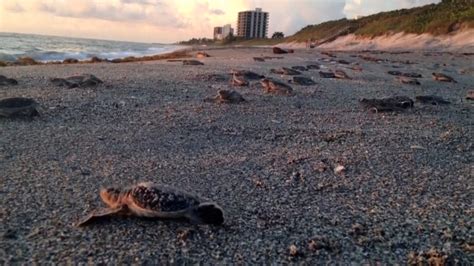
(311,177)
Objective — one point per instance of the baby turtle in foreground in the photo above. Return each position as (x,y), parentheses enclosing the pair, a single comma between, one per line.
(6,81)
(239,80)
(302,81)
(192,63)
(285,71)
(276,87)
(226,96)
(431,99)
(443,77)
(156,201)
(18,107)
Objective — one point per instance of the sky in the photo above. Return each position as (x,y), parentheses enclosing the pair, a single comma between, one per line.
(168,21)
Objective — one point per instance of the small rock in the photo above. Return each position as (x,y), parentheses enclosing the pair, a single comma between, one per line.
(293,251)
(357,230)
(339,169)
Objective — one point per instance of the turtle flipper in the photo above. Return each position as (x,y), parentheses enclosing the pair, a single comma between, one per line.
(99,214)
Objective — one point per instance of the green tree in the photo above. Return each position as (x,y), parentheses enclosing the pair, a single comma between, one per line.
(278,35)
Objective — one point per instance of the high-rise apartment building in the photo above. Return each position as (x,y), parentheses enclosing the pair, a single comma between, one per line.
(252,24)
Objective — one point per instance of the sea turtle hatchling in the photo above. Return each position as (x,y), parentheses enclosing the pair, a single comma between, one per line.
(276,87)
(443,77)
(18,106)
(156,201)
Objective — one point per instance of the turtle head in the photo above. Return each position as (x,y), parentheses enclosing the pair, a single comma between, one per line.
(207,213)
(111,196)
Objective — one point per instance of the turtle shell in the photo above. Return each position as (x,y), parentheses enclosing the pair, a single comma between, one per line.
(18,105)
(162,198)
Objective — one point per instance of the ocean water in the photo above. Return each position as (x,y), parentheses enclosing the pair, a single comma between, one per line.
(53,48)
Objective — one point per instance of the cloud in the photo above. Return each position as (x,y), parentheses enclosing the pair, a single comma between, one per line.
(144,11)
(12,6)
(355,8)
(141,2)
(291,16)
(217,12)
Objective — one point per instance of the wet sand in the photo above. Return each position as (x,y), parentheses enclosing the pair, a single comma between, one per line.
(273,162)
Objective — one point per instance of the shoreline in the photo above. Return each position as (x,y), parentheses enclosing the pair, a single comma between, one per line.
(25,61)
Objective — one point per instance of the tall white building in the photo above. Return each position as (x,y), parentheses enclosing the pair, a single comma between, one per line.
(227,30)
(252,24)
(221,33)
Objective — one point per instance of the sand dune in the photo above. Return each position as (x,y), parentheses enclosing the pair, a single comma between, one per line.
(462,41)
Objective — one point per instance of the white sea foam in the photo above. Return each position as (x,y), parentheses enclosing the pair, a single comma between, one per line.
(53,48)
